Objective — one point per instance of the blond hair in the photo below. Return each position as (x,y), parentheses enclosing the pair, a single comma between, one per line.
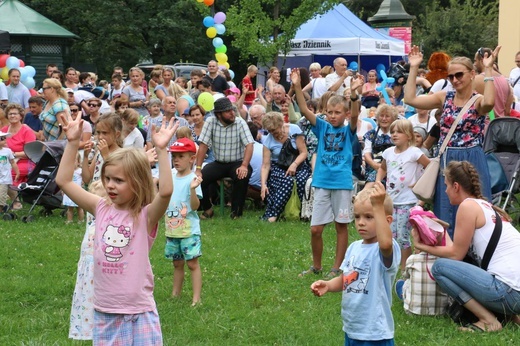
(184,132)
(404,126)
(56,85)
(175,90)
(130,116)
(136,168)
(364,196)
(272,121)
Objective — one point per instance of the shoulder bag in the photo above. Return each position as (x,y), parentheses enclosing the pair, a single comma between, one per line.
(424,188)
(287,154)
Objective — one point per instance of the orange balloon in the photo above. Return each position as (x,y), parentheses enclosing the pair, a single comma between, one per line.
(209,2)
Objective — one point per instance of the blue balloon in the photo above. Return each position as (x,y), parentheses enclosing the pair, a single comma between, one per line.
(382,87)
(23,73)
(31,71)
(380,67)
(217,42)
(221,29)
(231,73)
(353,66)
(29,82)
(208,21)
(12,62)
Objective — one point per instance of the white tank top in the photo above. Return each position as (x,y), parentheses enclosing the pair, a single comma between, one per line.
(505,259)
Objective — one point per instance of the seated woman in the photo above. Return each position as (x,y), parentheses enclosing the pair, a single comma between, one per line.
(277,181)
(483,292)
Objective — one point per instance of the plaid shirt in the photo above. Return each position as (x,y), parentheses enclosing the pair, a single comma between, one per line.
(51,129)
(228,142)
(422,295)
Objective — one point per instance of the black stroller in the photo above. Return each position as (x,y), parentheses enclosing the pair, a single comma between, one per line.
(502,140)
(40,188)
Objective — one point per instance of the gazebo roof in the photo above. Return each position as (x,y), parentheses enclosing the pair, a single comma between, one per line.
(19,19)
(391,10)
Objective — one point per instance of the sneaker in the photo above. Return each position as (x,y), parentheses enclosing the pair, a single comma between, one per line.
(311,270)
(399,288)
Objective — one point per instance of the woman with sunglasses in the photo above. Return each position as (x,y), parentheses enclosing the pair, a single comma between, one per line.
(55,108)
(466,142)
(93,113)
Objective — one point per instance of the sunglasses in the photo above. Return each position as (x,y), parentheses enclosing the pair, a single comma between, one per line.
(457,75)
(74,110)
(480,52)
(3,138)
(45,88)
(93,105)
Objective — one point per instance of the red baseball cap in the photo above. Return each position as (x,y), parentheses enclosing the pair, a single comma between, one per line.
(183,145)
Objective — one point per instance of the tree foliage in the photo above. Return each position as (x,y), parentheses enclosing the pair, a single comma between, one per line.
(459,29)
(263,28)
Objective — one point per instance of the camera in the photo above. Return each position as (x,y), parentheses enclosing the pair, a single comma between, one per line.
(399,73)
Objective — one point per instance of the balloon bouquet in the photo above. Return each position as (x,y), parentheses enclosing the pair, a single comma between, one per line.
(215,27)
(27,73)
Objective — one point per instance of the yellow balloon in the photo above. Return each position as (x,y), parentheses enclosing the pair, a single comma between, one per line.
(4,74)
(221,58)
(211,32)
(227,65)
(200,0)
(206,101)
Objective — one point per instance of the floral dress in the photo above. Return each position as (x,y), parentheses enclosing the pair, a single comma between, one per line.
(82,312)
(380,142)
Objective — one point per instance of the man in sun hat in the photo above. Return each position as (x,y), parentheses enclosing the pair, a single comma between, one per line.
(232,143)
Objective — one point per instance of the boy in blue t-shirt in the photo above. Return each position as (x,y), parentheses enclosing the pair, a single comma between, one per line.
(332,177)
(369,270)
(182,222)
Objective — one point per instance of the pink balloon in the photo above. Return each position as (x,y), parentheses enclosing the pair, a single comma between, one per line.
(22,63)
(220,17)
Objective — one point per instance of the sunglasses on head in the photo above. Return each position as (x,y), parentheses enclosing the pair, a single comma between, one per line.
(457,75)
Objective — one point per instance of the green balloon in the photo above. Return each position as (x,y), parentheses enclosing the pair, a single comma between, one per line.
(221,49)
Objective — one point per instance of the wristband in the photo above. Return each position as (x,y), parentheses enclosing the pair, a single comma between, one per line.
(198,167)
(487,79)
(353,99)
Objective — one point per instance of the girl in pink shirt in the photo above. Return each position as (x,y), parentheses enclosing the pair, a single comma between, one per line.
(126,227)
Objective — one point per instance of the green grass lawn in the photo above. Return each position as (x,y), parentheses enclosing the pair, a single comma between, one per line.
(251,291)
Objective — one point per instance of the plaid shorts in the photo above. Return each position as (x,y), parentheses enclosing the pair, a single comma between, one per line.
(120,329)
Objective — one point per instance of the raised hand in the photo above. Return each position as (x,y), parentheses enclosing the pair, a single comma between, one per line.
(488,60)
(357,82)
(295,77)
(415,57)
(162,137)
(72,128)
(377,197)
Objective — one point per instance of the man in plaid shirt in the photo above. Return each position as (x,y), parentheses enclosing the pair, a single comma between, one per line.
(232,143)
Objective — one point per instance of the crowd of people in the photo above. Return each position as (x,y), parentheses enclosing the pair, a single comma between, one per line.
(332,135)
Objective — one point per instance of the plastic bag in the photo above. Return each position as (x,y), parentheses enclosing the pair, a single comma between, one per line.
(293,206)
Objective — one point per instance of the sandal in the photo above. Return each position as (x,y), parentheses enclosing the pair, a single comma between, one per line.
(17,206)
(206,215)
(311,270)
(333,273)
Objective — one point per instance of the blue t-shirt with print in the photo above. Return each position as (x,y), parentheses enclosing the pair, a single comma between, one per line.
(333,170)
(181,221)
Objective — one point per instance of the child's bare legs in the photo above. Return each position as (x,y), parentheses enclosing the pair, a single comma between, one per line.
(81,215)
(70,214)
(341,243)
(196,279)
(317,245)
(178,277)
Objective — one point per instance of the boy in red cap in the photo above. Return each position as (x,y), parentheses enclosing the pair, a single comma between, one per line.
(182,222)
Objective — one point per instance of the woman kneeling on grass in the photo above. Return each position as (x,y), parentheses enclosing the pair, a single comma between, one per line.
(277,179)
(483,292)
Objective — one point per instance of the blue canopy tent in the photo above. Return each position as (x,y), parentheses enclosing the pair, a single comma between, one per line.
(339,32)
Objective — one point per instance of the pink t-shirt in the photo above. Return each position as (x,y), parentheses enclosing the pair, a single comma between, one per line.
(123,278)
